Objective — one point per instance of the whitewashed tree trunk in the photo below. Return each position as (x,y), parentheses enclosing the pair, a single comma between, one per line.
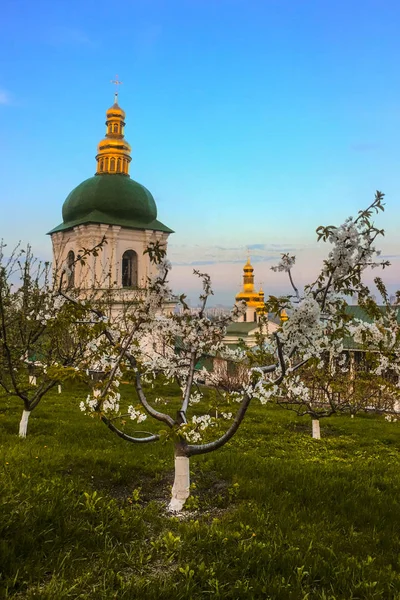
(32,380)
(180,489)
(316,432)
(59,389)
(23,424)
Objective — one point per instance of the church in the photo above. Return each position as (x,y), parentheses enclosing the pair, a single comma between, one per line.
(247,327)
(113,206)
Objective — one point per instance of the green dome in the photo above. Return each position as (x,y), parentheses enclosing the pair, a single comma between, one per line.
(110,200)
(116,196)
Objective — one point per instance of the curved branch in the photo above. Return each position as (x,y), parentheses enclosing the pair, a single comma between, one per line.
(194,449)
(143,400)
(281,360)
(152,438)
(189,384)
(43,389)
(296,291)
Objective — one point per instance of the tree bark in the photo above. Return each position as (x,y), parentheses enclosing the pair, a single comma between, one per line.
(181,487)
(316,433)
(23,424)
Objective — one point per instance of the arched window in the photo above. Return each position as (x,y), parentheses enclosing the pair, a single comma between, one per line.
(106,164)
(118,165)
(70,269)
(112,164)
(255,317)
(101,164)
(109,128)
(129,269)
(115,127)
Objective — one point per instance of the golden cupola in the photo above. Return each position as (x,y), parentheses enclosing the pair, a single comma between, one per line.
(248,293)
(283,316)
(114,152)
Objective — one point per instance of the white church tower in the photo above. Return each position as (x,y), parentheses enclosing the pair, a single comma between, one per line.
(113,206)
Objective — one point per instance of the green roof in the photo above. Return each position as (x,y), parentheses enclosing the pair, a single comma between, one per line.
(357,312)
(111,200)
(243,328)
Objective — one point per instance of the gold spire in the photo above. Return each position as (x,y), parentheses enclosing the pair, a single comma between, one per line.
(248,277)
(283,315)
(248,293)
(113,155)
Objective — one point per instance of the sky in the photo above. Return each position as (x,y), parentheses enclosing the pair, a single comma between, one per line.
(251,122)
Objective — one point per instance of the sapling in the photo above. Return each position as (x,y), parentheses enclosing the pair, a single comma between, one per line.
(41,337)
(319,325)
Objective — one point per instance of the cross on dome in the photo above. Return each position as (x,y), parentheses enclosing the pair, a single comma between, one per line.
(116,82)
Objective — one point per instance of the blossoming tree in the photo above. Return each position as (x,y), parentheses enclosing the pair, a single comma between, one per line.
(42,338)
(147,342)
(314,374)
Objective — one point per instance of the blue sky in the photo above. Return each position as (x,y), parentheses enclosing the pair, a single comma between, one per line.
(251,122)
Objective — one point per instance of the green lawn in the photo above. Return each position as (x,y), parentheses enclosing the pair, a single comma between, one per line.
(274,514)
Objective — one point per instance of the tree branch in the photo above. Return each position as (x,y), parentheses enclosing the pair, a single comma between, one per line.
(151,438)
(195,449)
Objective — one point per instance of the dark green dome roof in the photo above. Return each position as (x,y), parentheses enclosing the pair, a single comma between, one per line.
(115,195)
(113,200)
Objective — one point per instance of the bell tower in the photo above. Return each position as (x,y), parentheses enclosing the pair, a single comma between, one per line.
(111,206)
(114,152)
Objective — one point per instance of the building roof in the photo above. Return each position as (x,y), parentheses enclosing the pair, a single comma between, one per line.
(111,197)
(357,312)
(241,328)
(111,200)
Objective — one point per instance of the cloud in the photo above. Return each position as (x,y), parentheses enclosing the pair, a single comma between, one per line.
(4,97)
(196,255)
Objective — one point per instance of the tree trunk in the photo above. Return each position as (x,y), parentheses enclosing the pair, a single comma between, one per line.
(316,433)
(23,424)
(181,487)
(32,379)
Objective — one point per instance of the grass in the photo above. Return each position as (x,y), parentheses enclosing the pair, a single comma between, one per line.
(273,515)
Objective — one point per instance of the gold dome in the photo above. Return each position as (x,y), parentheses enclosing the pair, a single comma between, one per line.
(115,110)
(248,294)
(248,268)
(283,316)
(114,152)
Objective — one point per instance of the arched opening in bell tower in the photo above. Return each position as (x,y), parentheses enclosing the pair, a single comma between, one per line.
(71,269)
(129,269)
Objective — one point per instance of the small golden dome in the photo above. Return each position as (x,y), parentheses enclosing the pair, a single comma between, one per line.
(283,315)
(115,110)
(248,268)
(113,151)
